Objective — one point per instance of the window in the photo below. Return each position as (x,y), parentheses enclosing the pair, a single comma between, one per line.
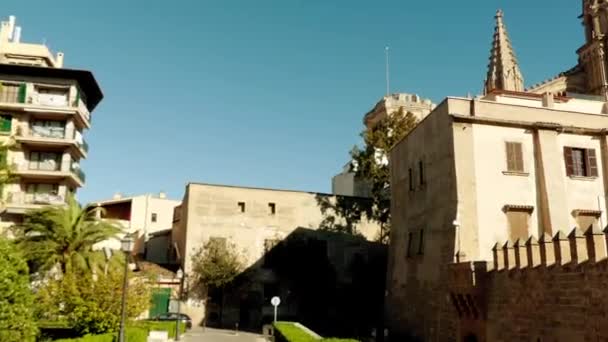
(47,161)
(515,161)
(421,171)
(273,208)
(586,218)
(411,176)
(242,206)
(410,241)
(154,217)
(580,162)
(421,242)
(9,93)
(48,129)
(518,218)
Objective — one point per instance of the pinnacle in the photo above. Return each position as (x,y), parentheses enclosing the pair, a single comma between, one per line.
(503,69)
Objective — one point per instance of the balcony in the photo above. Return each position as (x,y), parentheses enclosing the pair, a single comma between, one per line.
(49,170)
(20,202)
(49,136)
(51,100)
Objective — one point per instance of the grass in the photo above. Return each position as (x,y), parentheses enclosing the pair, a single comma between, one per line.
(289,332)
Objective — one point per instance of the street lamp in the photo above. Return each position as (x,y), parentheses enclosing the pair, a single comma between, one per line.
(126,245)
(180,276)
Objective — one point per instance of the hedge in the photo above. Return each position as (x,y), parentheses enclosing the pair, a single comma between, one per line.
(289,332)
(136,332)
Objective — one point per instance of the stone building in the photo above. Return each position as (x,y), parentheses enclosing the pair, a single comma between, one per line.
(44,111)
(346,183)
(285,235)
(504,166)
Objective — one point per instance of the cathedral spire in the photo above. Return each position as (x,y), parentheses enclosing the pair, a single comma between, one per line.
(503,70)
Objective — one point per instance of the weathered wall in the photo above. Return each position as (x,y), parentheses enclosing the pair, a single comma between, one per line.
(416,292)
(548,290)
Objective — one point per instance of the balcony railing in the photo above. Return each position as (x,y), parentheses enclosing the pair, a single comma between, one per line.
(79,173)
(83,145)
(18,93)
(21,198)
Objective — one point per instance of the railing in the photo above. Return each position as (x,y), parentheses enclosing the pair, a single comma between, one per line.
(45,132)
(39,198)
(79,173)
(84,146)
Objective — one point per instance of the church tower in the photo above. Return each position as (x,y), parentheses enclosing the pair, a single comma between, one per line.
(503,70)
(592,55)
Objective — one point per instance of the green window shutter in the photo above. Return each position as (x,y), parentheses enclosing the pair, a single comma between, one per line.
(22,91)
(5,125)
(77,100)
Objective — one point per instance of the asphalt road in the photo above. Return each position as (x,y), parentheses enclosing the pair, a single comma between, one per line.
(215,335)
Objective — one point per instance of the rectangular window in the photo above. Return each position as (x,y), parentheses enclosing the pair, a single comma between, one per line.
(5,123)
(48,129)
(421,172)
(421,242)
(518,218)
(580,162)
(410,238)
(272,208)
(9,92)
(515,160)
(154,217)
(242,207)
(45,161)
(411,176)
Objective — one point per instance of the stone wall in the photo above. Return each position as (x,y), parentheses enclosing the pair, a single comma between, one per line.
(553,289)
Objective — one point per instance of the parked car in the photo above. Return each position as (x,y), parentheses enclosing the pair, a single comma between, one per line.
(173,316)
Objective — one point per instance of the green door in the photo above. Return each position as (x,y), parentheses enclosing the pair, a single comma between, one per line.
(160,302)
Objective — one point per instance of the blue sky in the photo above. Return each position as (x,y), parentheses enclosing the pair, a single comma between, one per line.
(270,93)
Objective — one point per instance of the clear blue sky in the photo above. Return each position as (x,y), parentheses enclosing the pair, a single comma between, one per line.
(270,93)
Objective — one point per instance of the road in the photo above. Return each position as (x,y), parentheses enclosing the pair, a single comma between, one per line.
(215,335)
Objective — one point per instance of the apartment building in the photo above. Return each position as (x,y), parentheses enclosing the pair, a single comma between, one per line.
(143,216)
(45,109)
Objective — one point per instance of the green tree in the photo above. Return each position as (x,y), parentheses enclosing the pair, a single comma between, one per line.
(64,236)
(16,298)
(214,266)
(371,162)
(92,304)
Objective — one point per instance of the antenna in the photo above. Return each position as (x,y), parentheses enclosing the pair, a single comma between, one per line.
(387,72)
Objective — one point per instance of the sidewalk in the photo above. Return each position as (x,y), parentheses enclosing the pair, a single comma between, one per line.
(215,335)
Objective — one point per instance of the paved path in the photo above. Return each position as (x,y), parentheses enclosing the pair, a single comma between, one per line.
(215,335)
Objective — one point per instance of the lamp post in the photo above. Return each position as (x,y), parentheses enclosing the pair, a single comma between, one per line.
(126,245)
(180,276)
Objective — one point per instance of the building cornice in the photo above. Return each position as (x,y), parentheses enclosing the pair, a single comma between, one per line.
(529,125)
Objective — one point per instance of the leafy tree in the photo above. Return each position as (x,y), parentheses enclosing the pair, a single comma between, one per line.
(92,305)
(214,266)
(371,162)
(64,236)
(16,299)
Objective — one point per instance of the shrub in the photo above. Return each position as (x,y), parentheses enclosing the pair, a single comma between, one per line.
(289,332)
(92,306)
(138,332)
(16,300)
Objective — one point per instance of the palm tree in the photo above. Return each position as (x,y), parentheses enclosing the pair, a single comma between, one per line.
(64,236)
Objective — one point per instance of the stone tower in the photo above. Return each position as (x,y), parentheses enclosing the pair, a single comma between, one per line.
(592,55)
(503,70)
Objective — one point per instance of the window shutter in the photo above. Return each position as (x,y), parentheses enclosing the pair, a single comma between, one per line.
(510,160)
(518,156)
(568,161)
(22,92)
(591,163)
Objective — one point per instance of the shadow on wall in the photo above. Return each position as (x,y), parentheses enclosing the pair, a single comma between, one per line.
(332,282)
